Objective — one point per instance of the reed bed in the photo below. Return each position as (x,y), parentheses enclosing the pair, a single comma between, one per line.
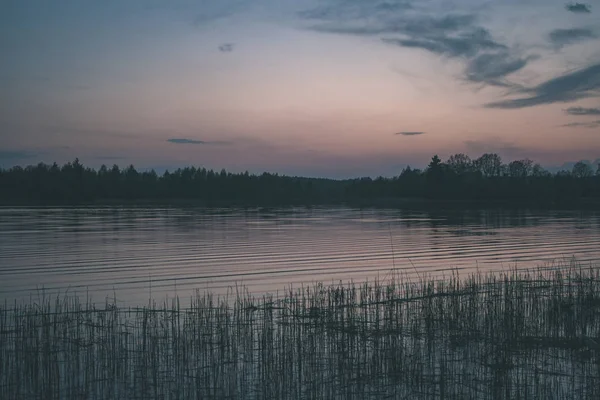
(516,335)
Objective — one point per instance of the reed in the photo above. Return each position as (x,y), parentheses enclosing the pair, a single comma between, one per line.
(515,335)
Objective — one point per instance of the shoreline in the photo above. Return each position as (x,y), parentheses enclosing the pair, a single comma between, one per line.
(406,202)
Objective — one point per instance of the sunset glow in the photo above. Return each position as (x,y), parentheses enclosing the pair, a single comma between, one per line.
(318,88)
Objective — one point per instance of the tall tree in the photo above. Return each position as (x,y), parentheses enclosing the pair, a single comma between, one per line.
(538,171)
(520,168)
(490,164)
(459,163)
(434,172)
(582,170)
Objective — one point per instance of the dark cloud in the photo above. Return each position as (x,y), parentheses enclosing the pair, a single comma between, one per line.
(416,27)
(410,133)
(354,9)
(569,87)
(492,67)
(579,8)
(593,124)
(186,141)
(427,25)
(226,47)
(453,36)
(562,37)
(193,141)
(582,111)
(466,44)
(487,60)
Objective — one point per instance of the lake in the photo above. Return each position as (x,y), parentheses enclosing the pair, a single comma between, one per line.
(138,253)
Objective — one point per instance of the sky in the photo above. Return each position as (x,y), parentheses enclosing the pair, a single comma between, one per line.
(329,88)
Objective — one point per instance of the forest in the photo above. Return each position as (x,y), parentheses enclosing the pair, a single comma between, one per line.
(460,178)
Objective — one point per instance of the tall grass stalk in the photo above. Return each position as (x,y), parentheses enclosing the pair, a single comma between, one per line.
(518,335)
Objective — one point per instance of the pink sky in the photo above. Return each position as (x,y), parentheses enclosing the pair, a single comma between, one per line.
(324,95)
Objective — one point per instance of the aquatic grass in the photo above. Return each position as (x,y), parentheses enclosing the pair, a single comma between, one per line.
(514,335)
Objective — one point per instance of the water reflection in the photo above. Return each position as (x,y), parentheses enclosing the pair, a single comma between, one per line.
(136,251)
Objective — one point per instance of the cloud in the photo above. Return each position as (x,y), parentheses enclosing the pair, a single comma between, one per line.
(492,67)
(410,133)
(579,8)
(582,111)
(466,44)
(571,86)
(488,61)
(593,124)
(562,37)
(186,141)
(226,47)
(193,141)
(452,36)
(367,25)
(427,25)
(354,9)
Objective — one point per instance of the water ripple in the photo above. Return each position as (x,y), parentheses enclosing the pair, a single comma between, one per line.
(142,252)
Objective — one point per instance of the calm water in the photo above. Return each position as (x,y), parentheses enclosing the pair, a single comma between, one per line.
(158,252)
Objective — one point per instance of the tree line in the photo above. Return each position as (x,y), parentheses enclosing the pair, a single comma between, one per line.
(484,179)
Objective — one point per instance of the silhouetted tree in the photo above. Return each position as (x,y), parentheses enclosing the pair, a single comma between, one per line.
(460,163)
(485,179)
(434,169)
(537,171)
(582,170)
(490,164)
(520,168)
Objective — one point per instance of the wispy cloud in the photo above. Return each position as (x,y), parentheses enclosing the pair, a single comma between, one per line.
(186,141)
(582,111)
(354,9)
(493,67)
(226,47)
(593,124)
(562,37)
(194,141)
(464,44)
(571,86)
(410,133)
(453,36)
(367,24)
(579,8)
